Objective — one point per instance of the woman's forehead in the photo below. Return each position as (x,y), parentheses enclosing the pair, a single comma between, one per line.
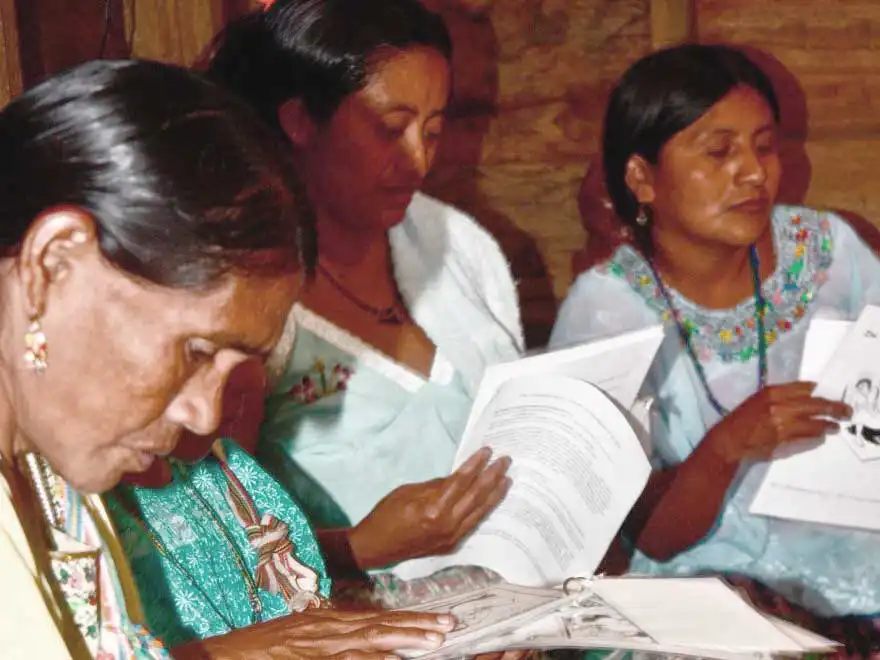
(246,313)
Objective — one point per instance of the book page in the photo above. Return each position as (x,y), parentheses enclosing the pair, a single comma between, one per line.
(490,612)
(702,613)
(617,366)
(701,617)
(832,482)
(577,468)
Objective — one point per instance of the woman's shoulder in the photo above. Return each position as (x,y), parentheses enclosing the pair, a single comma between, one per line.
(441,243)
(610,277)
(827,235)
(239,461)
(603,301)
(430,215)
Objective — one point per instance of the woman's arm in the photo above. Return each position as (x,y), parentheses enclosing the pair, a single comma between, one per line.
(342,564)
(680,504)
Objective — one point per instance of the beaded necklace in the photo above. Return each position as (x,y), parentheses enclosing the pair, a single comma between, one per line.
(685,333)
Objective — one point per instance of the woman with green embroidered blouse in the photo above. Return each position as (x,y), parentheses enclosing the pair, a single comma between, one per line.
(221,546)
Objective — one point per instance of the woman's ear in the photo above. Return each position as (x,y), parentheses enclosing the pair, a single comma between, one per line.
(296,122)
(639,179)
(53,244)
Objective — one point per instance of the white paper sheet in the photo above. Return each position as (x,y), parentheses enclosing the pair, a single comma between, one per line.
(577,469)
(832,483)
(617,366)
(700,617)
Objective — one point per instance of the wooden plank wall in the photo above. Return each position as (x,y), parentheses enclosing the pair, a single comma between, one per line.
(826,62)
(175,31)
(10,64)
(530,81)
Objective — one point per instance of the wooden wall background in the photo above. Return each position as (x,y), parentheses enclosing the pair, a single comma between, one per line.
(531,78)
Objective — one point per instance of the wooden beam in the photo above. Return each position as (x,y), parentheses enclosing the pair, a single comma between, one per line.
(10,62)
(672,22)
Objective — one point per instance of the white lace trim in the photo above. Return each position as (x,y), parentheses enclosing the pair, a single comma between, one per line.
(442,370)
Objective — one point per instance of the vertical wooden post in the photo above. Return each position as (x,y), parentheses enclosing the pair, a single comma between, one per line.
(10,62)
(672,22)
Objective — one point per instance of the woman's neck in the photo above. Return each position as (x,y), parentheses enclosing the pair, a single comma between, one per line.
(352,250)
(711,275)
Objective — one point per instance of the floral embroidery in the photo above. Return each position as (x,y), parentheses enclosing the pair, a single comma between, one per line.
(804,250)
(318,383)
(89,583)
(77,576)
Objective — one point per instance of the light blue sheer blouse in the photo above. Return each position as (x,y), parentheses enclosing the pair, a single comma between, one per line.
(346,425)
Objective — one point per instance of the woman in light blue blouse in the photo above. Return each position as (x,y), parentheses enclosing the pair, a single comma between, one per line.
(692,167)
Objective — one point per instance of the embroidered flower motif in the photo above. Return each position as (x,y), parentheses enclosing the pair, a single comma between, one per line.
(319,382)
(342,374)
(77,578)
(249,476)
(305,391)
(805,248)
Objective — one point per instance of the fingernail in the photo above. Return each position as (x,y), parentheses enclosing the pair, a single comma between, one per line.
(434,638)
(446,619)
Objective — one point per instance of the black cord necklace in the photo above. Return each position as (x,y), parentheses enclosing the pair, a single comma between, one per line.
(394,314)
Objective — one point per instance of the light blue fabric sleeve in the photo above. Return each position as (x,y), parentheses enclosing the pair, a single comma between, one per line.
(598,305)
(601,305)
(862,287)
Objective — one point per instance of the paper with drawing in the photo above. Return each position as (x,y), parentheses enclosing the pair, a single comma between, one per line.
(688,616)
(833,482)
(577,464)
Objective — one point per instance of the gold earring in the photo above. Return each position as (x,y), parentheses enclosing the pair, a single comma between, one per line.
(642,217)
(36,352)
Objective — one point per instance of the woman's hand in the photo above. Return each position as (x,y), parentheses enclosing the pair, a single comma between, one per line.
(325,633)
(774,416)
(430,518)
(679,505)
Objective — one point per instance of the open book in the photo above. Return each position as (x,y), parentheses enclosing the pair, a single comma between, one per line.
(577,467)
(701,617)
(834,482)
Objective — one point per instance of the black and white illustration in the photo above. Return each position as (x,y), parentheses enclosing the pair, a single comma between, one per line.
(593,619)
(862,432)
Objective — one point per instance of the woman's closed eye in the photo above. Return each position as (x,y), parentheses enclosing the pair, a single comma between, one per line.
(767,146)
(200,351)
(392,132)
(718,151)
